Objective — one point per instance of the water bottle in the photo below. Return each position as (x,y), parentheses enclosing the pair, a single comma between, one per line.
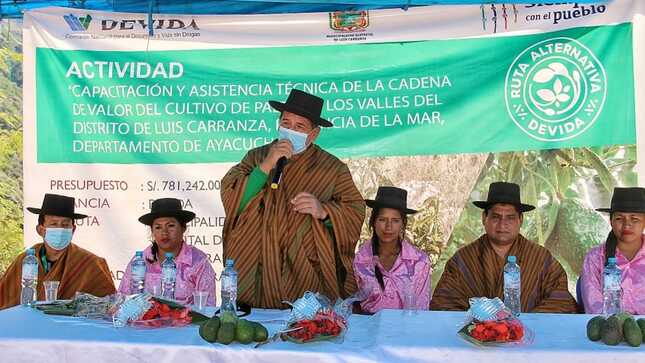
(168,276)
(138,273)
(611,288)
(228,282)
(512,286)
(29,278)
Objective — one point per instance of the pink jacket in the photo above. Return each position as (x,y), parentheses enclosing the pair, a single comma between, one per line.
(409,274)
(194,273)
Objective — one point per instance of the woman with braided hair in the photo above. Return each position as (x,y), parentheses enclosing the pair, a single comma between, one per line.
(390,272)
(625,243)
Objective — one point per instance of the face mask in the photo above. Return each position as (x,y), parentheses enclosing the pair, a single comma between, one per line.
(58,238)
(298,139)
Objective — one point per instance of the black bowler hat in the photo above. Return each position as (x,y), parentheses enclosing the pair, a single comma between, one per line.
(390,197)
(505,193)
(167,207)
(303,104)
(57,205)
(626,200)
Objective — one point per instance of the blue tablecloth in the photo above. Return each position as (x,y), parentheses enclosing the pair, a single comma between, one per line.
(27,335)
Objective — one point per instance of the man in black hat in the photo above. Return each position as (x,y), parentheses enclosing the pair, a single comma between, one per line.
(293,213)
(77,269)
(477,270)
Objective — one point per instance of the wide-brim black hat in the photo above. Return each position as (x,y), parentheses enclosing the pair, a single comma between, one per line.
(626,200)
(303,104)
(504,193)
(391,197)
(57,205)
(167,207)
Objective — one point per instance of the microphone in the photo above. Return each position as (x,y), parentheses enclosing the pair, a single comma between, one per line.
(278,172)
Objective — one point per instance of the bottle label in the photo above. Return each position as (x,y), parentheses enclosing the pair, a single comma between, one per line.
(168,274)
(138,272)
(30,271)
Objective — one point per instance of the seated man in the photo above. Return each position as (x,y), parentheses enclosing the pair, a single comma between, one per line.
(477,270)
(300,236)
(58,258)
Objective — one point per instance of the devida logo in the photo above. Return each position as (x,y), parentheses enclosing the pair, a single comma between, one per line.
(555,89)
(77,24)
(132,24)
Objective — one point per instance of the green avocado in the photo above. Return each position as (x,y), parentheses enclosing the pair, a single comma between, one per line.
(226,333)
(244,331)
(641,324)
(593,328)
(611,332)
(261,333)
(632,333)
(208,330)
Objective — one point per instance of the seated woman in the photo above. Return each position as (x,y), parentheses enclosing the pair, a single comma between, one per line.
(625,242)
(167,221)
(391,272)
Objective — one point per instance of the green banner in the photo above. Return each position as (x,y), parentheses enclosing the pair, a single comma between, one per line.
(570,88)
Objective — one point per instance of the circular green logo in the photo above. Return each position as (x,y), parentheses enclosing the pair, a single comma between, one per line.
(555,89)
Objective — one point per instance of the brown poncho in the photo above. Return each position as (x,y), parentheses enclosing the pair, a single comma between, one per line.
(477,271)
(279,254)
(77,270)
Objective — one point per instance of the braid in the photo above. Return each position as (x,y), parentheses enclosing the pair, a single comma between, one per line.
(610,246)
(377,271)
(155,252)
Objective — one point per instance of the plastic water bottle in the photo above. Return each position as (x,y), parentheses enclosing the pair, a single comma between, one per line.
(29,278)
(138,273)
(512,286)
(228,281)
(611,288)
(168,276)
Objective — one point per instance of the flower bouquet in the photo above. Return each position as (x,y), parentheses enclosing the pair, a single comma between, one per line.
(490,323)
(82,305)
(147,311)
(314,318)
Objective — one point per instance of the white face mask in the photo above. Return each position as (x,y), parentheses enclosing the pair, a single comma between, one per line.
(298,139)
(58,238)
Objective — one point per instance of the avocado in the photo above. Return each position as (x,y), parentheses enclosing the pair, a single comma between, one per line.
(261,333)
(641,324)
(622,317)
(208,330)
(228,317)
(632,333)
(226,333)
(593,328)
(611,332)
(244,331)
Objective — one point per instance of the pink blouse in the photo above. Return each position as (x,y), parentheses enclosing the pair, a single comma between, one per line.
(194,273)
(409,275)
(633,280)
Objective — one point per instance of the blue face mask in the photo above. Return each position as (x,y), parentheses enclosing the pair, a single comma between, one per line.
(58,238)
(298,139)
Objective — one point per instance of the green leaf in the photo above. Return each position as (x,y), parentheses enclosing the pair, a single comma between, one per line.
(606,178)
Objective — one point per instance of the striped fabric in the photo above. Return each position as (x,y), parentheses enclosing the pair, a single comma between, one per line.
(78,270)
(477,271)
(279,253)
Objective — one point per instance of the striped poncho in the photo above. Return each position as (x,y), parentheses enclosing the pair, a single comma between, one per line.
(280,253)
(477,271)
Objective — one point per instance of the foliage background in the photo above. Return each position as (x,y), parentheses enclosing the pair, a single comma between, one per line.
(11,215)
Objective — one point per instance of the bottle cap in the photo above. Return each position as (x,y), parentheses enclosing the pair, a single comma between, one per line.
(611,260)
(30,252)
(169,255)
(229,262)
(511,259)
(139,253)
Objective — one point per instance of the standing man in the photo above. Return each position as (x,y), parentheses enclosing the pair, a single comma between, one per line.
(300,236)
(77,269)
(477,270)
